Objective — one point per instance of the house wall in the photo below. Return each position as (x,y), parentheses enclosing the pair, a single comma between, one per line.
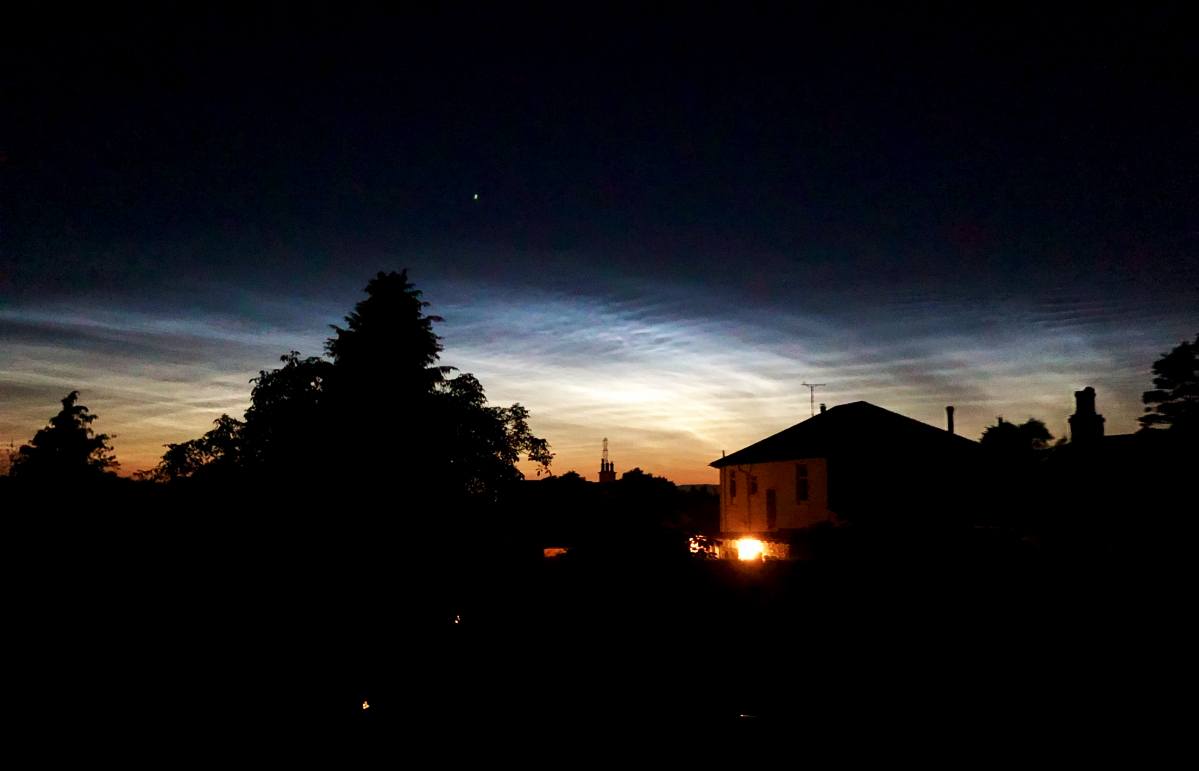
(746,512)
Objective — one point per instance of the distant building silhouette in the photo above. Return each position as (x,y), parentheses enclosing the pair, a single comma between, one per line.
(1120,494)
(607,471)
(1088,438)
(1086,425)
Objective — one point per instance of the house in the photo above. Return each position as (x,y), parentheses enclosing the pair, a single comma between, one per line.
(854,462)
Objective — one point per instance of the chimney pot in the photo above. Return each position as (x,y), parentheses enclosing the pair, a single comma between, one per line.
(949,417)
(1084,401)
(822,407)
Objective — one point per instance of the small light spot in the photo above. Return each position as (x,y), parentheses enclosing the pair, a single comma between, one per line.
(366,704)
(457,619)
(476,196)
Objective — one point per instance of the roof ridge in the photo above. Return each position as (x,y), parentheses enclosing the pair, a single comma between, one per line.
(813,434)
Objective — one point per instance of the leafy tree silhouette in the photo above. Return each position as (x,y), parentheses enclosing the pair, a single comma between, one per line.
(281,424)
(1174,401)
(67,449)
(285,416)
(1011,440)
(1018,471)
(486,442)
(217,452)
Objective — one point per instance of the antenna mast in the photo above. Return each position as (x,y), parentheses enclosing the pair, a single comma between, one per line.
(607,471)
(812,392)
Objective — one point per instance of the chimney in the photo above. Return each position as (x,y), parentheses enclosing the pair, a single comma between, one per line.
(1086,426)
(1084,401)
(822,407)
(949,418)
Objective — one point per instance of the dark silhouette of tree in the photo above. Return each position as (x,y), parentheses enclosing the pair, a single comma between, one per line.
(217,452)
(381,416)
(1174,401)
(481,445)
(635,475)
(281,427)
(639,511)
(382,420)
(397,419)
(285,420)
(388,346)
(1013,440)
(67,449)
(1015,472)
(648,501)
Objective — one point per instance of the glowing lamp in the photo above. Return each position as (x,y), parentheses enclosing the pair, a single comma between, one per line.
(750,549)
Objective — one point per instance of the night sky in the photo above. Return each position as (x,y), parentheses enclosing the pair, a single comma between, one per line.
(679,218)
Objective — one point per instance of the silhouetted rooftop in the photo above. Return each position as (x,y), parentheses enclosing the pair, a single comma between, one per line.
(1152,441)
(857,426)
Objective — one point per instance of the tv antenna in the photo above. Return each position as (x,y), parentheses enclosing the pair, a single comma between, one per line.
(812,392)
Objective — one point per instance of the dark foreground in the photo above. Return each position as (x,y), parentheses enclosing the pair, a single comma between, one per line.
(199,637)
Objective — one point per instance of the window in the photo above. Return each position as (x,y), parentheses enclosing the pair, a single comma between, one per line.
(772,511)
(732,484)
(801,482)
(753,485)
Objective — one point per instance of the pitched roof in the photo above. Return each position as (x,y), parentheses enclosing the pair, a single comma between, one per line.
(857,426)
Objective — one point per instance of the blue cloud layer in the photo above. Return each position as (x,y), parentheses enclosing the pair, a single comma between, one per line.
(671,372)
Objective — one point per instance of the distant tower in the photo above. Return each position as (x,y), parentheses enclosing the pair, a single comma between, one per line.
(607,470)
(1086,426)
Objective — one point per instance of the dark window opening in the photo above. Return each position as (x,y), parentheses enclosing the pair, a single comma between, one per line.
(772,511)
(801,482)
(732,484)
(753,485)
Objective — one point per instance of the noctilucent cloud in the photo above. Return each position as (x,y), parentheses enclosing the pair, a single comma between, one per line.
(672,374)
